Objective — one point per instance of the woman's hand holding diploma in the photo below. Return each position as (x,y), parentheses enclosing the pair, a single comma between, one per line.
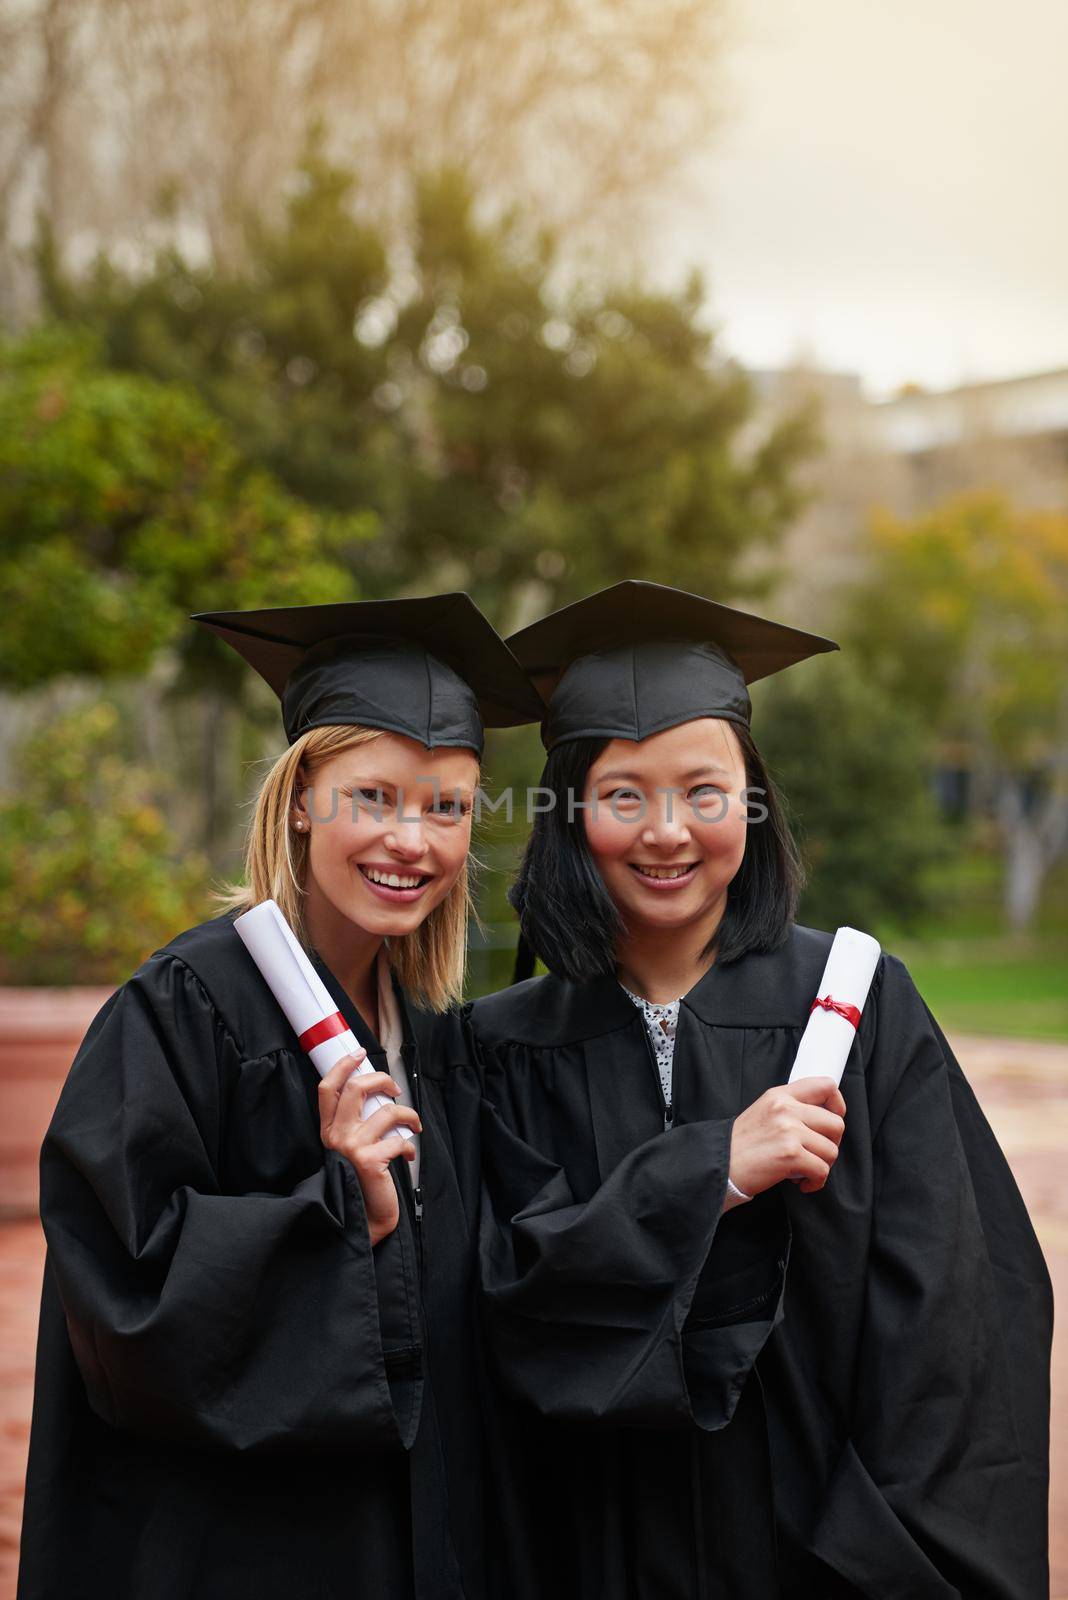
(792,1131)
(368,1146)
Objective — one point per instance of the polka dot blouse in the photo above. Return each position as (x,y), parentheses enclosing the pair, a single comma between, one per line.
(661,1024)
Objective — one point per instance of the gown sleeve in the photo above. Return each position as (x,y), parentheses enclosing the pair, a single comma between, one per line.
(240,1321)
(942,1488)
(588,1301)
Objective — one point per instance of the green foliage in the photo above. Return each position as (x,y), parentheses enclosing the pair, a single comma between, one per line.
(123,506)
(90,882)
(854,767)
(501,425)
(582,436)
(964,619)
(269,348)
(321,421)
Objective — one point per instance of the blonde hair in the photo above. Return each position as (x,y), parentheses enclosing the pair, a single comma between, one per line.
(430,961)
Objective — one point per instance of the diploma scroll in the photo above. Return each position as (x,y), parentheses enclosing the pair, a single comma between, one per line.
(836,1010)
(320,1028)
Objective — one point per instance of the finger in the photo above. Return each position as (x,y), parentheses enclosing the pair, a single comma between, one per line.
(341,1108)
(340,1095)
(811,1171)
(373,1160)
(382,1121)
(826,1122)
(331,1085)
(817,1145)
(812,1185)
(389,1148)
(361,1084)
(831,1101)
(815,1091)
(341,1070)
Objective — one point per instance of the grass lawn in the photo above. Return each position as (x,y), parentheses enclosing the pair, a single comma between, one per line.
(974,977)
(991,986)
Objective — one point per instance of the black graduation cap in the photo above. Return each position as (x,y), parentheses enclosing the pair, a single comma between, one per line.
(432,668)
(634,659)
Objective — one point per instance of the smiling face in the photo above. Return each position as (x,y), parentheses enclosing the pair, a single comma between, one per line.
(389,829)
(668,833)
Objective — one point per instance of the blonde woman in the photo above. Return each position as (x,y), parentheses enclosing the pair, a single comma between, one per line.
(254,1370)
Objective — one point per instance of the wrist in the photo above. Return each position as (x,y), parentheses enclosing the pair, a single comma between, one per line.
(735,1195)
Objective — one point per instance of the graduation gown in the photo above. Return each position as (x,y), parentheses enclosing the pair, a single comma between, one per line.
(235,1394)
(834,1394)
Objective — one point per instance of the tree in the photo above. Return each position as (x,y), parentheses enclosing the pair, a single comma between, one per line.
(90,881)
(581,436)
(964,620)
(515,437)
(124,506)
(854,768)
(487,427)
(135,120)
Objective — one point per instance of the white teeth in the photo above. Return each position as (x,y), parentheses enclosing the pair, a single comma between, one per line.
(391,880)
(666,872)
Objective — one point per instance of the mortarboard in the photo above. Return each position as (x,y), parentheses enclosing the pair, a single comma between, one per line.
(430,668)
(634,659)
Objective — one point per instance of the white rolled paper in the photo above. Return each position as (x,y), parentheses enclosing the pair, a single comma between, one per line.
(302,995)
(828,1036)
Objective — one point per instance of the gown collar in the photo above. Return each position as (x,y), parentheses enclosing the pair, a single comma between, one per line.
(763,989)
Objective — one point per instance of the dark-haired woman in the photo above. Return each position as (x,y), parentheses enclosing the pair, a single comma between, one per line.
(754,1340)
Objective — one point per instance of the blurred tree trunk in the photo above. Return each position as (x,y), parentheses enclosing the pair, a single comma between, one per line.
(1035,838)
(221,792)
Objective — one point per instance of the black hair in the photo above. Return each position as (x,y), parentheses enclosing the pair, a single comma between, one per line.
(567,915)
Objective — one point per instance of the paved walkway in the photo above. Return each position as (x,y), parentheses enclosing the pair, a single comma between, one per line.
(21,1256)
(1023,1087)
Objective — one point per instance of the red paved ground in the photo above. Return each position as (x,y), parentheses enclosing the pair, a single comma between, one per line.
(21,1256)
(1024,1091)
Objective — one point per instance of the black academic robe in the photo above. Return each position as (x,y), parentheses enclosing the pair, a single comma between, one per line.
(235,1394)
(841,1393)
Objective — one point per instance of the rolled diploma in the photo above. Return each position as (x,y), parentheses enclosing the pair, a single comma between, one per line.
(828,1037)
(302,994)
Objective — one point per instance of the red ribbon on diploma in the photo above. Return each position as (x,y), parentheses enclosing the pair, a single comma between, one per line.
(843,1009)
(327,1029)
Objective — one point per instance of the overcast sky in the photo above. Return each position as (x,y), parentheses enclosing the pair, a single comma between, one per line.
(889,193)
